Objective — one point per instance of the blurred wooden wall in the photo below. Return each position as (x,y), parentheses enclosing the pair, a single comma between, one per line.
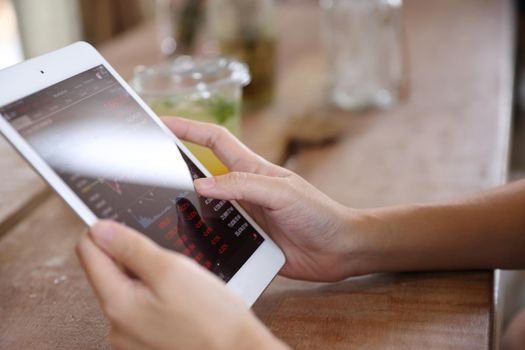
(104,19)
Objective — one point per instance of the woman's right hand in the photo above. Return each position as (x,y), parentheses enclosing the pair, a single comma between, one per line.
(318,235)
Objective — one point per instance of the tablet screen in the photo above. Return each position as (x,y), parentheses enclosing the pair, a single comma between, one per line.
(124,167)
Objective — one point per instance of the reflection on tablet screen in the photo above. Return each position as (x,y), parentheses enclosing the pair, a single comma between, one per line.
(124,167)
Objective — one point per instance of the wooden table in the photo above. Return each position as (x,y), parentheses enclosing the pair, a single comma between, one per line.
(448,139)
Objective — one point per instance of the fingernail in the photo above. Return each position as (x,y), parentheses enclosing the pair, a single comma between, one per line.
(204,183)
(103,232)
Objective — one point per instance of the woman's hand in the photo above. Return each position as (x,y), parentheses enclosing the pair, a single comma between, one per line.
(172,303)
(312,229)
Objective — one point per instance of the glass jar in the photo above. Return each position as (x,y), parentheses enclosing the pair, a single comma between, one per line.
(364,42)
(246,30)
(203,89)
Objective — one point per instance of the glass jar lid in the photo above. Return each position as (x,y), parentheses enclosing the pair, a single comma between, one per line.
(186,74)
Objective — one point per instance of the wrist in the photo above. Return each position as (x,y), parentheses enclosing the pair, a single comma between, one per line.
(253,335)
(364,242)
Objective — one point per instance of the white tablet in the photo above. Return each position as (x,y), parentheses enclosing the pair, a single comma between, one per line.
(104,151)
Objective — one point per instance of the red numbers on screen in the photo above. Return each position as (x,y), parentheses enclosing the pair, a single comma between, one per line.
(170,234)
(191,215)
(184,206)
(223,248)
(215,239)
(199,224)
(207,232)
(165,222)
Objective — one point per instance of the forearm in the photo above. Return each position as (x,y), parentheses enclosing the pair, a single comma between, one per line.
(483,231)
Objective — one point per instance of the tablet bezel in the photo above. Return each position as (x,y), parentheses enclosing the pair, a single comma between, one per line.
(36,74)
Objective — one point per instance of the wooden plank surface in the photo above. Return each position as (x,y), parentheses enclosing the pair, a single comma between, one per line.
(451,137)
(385,311)
(45,299)
(46,303)
(445,129)
(21,189)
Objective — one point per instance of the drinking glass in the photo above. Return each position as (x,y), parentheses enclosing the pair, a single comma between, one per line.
(364,42)
(203,89)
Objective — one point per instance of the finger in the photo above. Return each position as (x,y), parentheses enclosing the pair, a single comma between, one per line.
(269,192)
(133,250)
(108,281)
(233,153)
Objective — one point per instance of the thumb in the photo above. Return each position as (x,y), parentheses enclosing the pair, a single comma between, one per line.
(269,192)
(132,250)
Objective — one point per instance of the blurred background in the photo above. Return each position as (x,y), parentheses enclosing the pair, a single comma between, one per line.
(31,27)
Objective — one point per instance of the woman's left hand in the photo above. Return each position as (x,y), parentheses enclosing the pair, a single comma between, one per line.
(172,303)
